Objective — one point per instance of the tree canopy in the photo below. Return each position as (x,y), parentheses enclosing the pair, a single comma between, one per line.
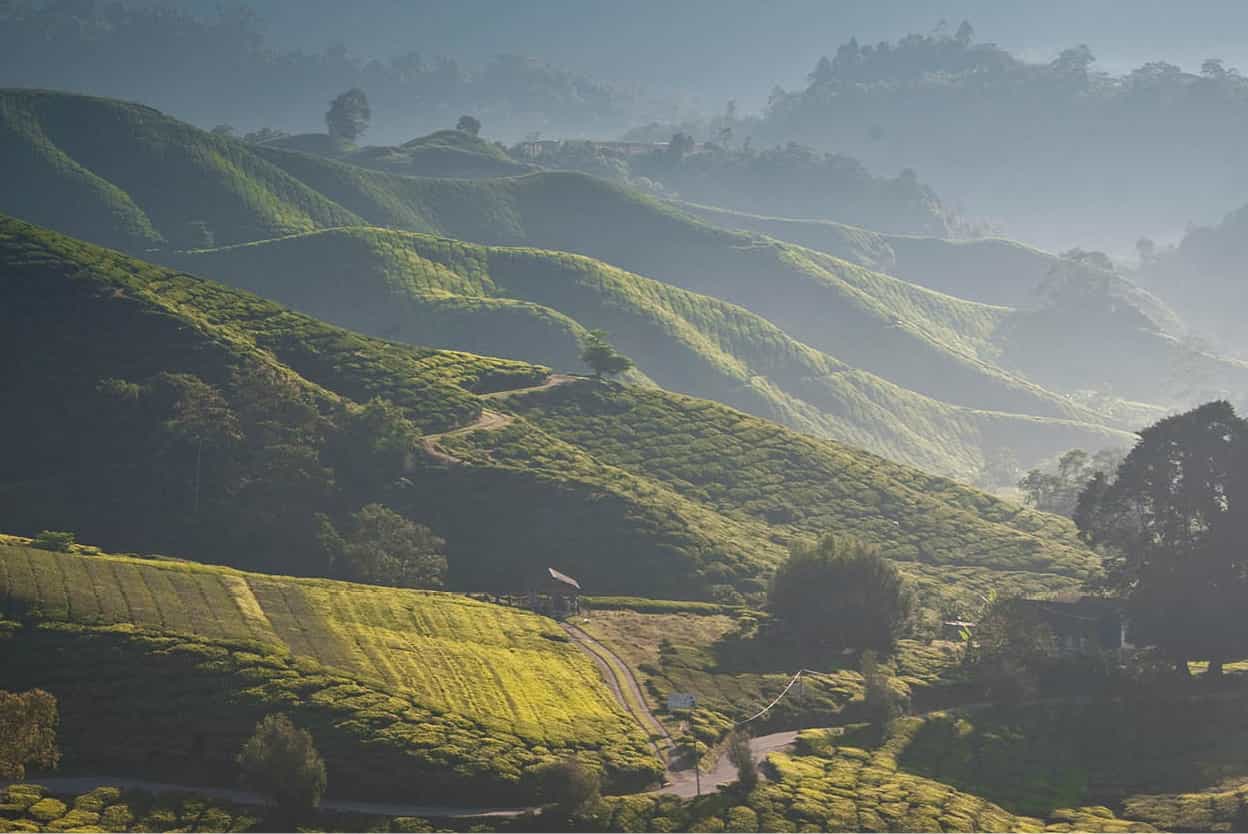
(349,115)
(469,124)
(1173,525)
(28,723)
(601,357)
(384,548)
(281,761)
(840,592)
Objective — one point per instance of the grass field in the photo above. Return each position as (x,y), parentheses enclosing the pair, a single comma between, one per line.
(482,676)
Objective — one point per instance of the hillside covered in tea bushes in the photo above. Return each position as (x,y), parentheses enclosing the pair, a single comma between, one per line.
(405,690)
(536,305)
(117,190)
(559,485)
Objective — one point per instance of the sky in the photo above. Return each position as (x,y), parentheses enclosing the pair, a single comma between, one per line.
(708,51)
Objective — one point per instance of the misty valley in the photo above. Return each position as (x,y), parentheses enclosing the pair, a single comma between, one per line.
(722,416)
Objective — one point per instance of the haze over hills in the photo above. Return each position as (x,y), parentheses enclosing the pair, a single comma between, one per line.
(1132,343)
(826,321)
(679,465)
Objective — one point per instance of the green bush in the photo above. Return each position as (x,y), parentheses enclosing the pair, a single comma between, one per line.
(56,541)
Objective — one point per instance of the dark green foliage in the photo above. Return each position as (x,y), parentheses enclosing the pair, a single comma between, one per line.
(469,125)
(384,548)
(1009,648)
(882,702)
(348,115)
(603,359)
(742,758)
(840,593)
(55,540)
(568,785)
(1173,521)
(28,724)
(280,760)
(1037,758)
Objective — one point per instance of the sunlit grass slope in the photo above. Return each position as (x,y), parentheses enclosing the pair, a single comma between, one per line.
(482,688)
(534,305)
(922,340)
(126,175)
(754,470)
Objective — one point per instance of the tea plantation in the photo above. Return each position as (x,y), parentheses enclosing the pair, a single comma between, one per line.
(533,305)
(434,680)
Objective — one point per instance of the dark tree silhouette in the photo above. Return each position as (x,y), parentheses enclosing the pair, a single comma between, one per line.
(281,761)
(349,115)
(27,732)
(1173,525)
(841,593)
(469,124)
(603,359)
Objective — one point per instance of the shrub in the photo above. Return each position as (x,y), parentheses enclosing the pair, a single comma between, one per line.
(47,809)
(742,758)
(568,785)
(57,541)
(281,761)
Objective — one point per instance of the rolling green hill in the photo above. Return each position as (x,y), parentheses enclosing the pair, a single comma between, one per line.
(126,175)
(408,692)
(444,153)
(102,447)
(229,192)
(534,305)
(1128,343)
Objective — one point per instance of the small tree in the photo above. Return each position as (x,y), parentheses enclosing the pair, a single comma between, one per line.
(603,359)
(384,548)
(840,592)
(58,541)
(883,703)
(281,761)
(568,785)
(469,124)
(27,732)
(349,115)
(742,758)
(1008,649)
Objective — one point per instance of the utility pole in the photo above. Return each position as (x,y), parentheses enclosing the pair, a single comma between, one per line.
(697,772)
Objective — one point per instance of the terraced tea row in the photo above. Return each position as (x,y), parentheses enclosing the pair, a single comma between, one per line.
(496,666)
